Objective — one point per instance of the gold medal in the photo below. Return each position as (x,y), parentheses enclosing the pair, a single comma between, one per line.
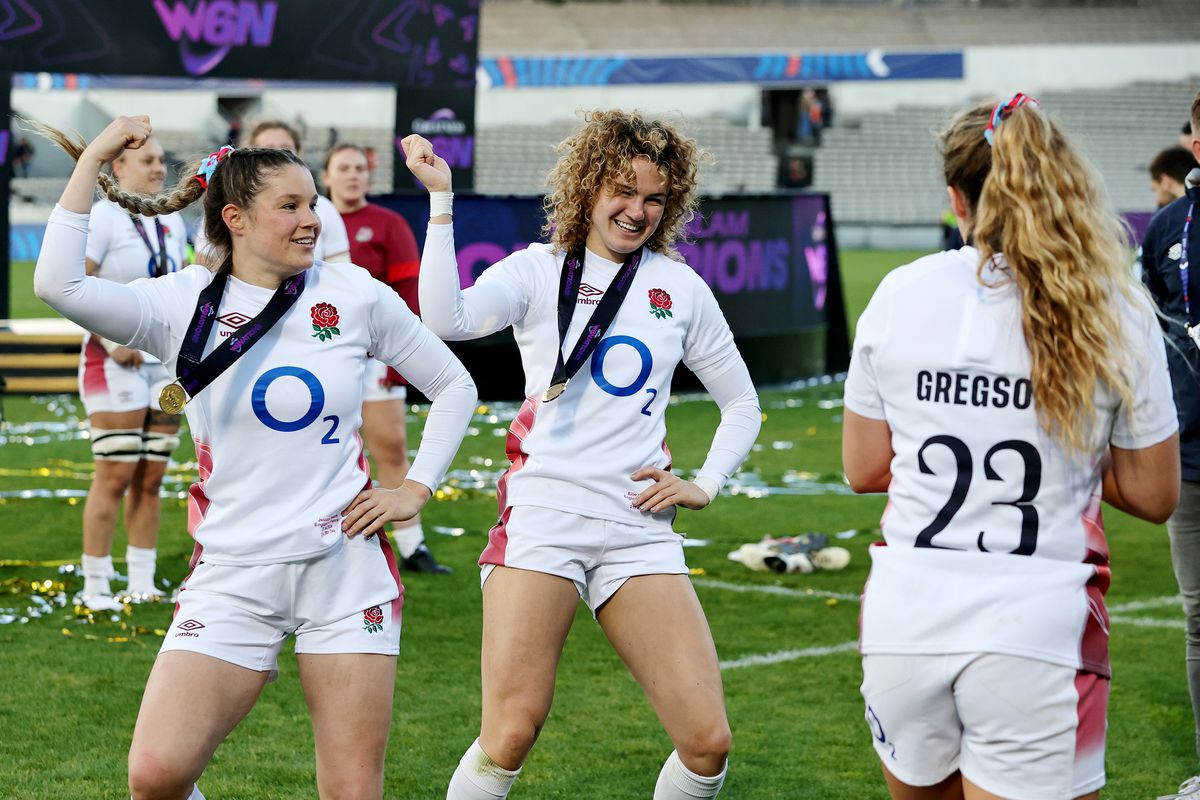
(554,391)
(172,398)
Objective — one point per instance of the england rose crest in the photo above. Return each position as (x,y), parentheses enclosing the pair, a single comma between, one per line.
(324,320)
(660,304)
(373,619)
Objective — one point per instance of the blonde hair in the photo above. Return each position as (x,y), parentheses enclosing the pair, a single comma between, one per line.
(602,151)
(1041,206)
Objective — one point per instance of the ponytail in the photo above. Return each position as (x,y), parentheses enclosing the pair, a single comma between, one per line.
(1042,210)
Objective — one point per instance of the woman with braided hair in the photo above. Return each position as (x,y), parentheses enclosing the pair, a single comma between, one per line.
(283,516)
(586,509)
(131,436)
(998,393)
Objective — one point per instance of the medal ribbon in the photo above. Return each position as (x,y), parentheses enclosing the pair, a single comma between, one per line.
(1183,263)
(158,259)
(602,317)
(195,373)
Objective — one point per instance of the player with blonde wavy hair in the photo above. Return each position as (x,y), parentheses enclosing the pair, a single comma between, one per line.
(998,393)
(586,508)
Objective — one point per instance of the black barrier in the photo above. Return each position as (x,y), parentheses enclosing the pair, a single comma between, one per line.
(6,171)
(770,261)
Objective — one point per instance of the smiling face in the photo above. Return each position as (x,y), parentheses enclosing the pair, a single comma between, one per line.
(142,171)
(347,177)
(277,233)
(623,217)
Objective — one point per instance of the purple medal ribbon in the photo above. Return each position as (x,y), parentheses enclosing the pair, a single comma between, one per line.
(602,317)
(196,372)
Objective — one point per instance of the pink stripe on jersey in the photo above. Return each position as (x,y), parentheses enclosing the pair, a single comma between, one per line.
(1092,714)
(390,556)
(667,450)
(517,432)
(198,501)
(1093,646)
(94,356)
(363,464)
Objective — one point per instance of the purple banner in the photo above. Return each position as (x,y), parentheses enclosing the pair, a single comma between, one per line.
(767,259)
(416,43)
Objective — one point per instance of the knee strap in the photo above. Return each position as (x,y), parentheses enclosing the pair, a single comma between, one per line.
(158,446)
(124,444)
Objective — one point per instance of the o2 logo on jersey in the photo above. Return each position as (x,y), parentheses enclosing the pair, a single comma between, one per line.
(646,362)
(316,404)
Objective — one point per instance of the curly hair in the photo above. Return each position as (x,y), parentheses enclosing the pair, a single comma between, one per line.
(237,179)
(604,150)
(1040,210)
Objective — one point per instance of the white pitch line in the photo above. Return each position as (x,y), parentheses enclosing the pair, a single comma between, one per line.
(776,590)
(788,655)
(1149,622)
(1141,605)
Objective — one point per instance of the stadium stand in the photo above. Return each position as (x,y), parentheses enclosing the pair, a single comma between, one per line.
(519,27)
(882,167)
(514,159)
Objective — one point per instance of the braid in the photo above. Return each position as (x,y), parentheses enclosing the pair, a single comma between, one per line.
(186,192)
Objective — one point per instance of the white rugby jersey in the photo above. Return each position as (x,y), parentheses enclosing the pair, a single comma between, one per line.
(577,452)
(331,240)
(113,243)
(994,537)
(277,433)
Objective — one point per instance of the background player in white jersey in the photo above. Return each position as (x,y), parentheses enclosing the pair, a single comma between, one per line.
(996,393)
(283,517)
(382,243)
(332,243)
(587,505)
(132,438)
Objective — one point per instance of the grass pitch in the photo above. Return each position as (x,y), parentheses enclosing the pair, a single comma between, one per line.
(70,687)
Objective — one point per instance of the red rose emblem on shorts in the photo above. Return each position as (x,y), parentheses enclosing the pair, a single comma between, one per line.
(660,303)
(324,320)
(373,619)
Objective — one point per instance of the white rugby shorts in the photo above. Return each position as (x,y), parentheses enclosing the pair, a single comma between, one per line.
(105,385)
(375,386)
(347,601)
(597,555)
(1014,726)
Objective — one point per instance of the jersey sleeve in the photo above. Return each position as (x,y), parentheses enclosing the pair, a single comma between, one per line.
(709,342)
(496,301)
(99,239)
(862,386)
(1152,417)
(401,341)
(335,242)
(710,352)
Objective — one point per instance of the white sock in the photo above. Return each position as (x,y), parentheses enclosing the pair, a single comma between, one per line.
(195,795)
(96,570)
(677,782)
(141,563)
(477,777)
(408,540)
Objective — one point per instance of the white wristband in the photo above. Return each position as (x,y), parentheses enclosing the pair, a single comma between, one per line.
(441,203)
(708,486)
(107,344)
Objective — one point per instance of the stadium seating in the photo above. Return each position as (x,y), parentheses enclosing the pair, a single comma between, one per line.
(883,167)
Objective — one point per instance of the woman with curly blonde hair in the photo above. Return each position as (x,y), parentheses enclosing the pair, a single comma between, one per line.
(998,393)
(587,505)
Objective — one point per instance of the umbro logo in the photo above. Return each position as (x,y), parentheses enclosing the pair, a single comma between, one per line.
(588,295)
(233,320)
(188,628)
